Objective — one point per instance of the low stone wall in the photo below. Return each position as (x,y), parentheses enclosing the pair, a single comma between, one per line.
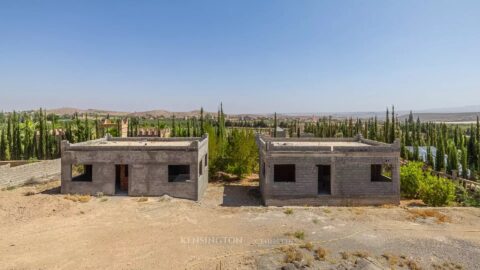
(36,171)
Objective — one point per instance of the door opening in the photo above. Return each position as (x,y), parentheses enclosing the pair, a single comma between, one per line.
(324,179)
(121,179)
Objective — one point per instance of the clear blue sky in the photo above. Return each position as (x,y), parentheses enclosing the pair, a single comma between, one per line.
(255,56)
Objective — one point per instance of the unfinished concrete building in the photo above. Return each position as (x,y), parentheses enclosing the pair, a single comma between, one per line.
(177,167)
(328,171)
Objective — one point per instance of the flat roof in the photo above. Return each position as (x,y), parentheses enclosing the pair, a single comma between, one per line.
(140,143)
(318,143)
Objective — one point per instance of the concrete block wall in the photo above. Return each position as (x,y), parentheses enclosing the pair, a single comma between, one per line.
(202,179)
(350,177)
(353,176)
(36,171)
(147,167)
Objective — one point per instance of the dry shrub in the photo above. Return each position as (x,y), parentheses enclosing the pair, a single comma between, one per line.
(308,260)
(388,206)
(360,254)
(321,253)
(30,193)
(78,198)
(428,213)
(299,235)
(104,199)
(447,266)
(412,265)
(142,199)
(327,211)
(391,259)
(344,255)
(358,211)
(308,246)
(288,211)
(292,254)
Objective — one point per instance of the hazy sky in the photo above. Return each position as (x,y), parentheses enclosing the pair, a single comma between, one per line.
(255,56)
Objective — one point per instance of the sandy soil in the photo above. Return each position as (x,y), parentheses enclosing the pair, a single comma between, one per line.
(228,229)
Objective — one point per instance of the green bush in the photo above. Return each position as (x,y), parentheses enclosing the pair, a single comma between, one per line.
(466,198)
(436,191)
(410,177)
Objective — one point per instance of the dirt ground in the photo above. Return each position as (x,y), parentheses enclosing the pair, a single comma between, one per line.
(228,229)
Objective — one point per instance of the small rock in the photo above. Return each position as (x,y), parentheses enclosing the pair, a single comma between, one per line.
(289,266)
(367,264)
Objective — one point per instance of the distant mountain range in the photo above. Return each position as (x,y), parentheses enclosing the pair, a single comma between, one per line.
(454,114)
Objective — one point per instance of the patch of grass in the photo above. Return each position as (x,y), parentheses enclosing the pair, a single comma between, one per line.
(292,254)
(308,246)
(78,198)
(428,213)
(10,188)
(30,193)
(320,253)
(288,211)
(327,211)
(298,234)
(142,199)
(104,199)
(315,220)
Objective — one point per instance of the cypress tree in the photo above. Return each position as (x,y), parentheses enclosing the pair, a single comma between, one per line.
(387,126)
(3,146)
(275,125)
(472,150)
(41,133)
(415,156)
(464,163)
(452,158)
(9,136)
(430,161)
(222,122)
(174,128)
(392,132)
(440,156)
(202,124)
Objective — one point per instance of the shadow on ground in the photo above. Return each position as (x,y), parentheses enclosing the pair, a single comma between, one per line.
(51,191)
(239,195)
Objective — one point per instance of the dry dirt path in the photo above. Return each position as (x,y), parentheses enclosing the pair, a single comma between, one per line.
(46,231)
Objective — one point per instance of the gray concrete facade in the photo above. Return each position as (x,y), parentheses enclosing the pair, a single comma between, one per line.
(353,165)
(146,166)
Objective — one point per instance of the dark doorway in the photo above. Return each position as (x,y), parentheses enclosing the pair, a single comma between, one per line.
(121,179)
(324,179)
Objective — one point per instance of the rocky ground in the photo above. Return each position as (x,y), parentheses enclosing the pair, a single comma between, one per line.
(228,229)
